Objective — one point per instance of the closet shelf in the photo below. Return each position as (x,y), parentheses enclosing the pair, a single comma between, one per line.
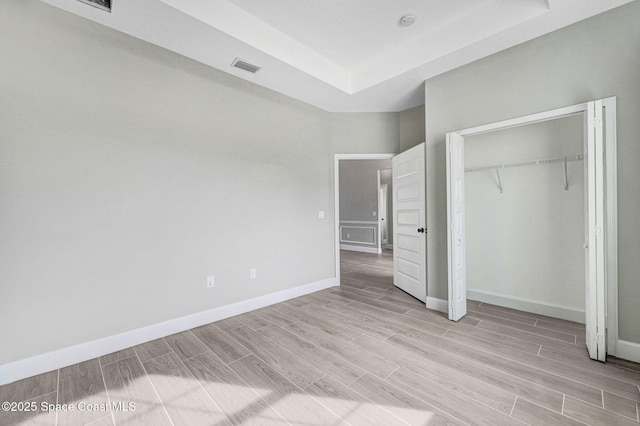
(527,163)
(497,167)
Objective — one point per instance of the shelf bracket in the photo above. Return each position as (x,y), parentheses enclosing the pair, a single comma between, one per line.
(499,180)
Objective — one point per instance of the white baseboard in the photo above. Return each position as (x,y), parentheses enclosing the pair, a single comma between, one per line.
(360,249)
(60,358)
(439,305)
(388,246)
(628,350)
(527,305)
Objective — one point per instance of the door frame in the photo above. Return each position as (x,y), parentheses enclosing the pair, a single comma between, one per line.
(336,193)
(610,198)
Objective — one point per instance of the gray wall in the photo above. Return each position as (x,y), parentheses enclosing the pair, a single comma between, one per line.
(526,244)
(129,173)
(359,188)
(589,60)
(412,130)
(370,132)
(375,132)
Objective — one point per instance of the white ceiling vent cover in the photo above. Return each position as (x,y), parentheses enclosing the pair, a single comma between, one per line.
(244,65)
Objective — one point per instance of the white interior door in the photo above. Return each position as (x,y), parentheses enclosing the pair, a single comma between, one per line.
(456,227)
(409,232)
(595,304)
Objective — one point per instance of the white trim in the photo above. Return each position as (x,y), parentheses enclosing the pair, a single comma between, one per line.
(348,247)
(628,350)
(360,222)
(388,246)
(386,156)
(611,191)
(378,229)
(528,305)
(336,198)
(60,358)
(527,119)
(439,305)
(373,228)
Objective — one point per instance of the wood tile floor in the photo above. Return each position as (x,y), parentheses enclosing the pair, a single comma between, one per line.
(362,354)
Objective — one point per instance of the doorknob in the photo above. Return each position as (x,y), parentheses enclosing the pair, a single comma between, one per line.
(421,230)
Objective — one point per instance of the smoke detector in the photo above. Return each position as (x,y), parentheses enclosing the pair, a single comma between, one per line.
(407,20)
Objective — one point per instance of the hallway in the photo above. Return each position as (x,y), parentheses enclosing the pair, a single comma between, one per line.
(362,270)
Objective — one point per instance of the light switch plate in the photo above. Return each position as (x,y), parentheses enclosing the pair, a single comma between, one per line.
(321,214)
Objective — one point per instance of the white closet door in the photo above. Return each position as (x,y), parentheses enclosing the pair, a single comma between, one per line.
(409,232)
(595,245)
(456,227)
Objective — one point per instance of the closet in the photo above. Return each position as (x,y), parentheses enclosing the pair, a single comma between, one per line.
(525,217)
(543,237)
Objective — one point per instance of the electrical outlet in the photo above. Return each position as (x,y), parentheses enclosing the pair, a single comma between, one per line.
(374,214)
(252,273)
(321,214)
(348,236)
(211,281)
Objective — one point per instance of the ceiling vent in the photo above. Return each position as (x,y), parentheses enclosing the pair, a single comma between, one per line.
(100,4)
(244,65)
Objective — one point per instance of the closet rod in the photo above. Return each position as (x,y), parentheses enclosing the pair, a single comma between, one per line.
(527,163)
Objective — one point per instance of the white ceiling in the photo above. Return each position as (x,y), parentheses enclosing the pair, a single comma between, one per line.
(355,33)
(335,54)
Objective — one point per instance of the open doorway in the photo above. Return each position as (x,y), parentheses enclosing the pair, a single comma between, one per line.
(402,177)
(364,234)
(600,233)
